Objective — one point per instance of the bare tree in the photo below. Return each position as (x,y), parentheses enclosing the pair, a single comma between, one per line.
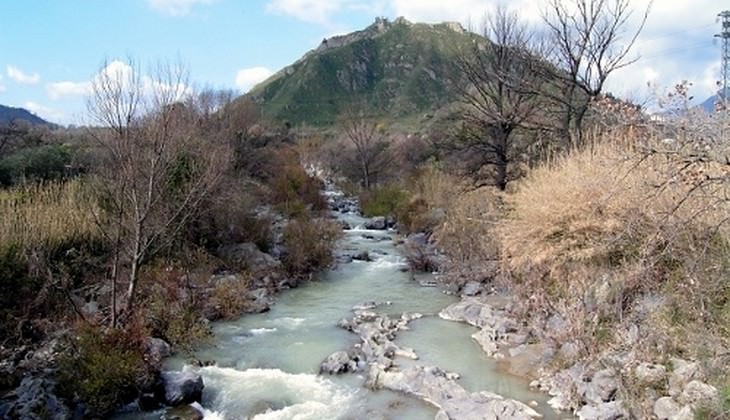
(370,149)
(156,166)
(495,101)
(587,40)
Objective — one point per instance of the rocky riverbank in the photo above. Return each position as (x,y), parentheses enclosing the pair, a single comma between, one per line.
(590,389)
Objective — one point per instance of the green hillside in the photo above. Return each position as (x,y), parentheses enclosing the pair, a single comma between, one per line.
(391,70)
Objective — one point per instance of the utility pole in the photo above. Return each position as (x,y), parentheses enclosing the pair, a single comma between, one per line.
(725,39)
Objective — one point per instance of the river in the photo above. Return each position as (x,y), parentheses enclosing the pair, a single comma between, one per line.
(267,364)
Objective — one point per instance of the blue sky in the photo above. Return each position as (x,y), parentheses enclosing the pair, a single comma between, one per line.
(50,49)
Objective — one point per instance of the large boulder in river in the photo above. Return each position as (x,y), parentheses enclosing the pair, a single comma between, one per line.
(183,387)
(337,362)
(376,223)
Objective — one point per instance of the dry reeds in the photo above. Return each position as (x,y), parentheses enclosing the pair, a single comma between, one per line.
(45,215)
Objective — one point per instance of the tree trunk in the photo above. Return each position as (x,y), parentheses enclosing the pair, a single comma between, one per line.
(132,289)
(501,143)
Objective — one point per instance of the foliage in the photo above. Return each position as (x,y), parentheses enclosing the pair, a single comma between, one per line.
(293,191)
(231,216)
(231,296)
(383,201)
(157,164)
(43,163)
(102,367)
(172,301)
(367,153)
(309,245)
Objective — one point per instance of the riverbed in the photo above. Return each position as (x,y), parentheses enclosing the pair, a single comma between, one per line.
(266,365)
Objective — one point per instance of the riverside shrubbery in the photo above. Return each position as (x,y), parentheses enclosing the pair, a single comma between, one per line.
(103,367)
(613,215)
(621,235)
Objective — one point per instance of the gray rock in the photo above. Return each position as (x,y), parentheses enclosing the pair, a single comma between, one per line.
(649,374)
(666,408)
(376,223)
(472,288)
(362,256)
(183,387)
(604,411)
(247,255)
(34,399)
(439,388)
(698,393)
(156,349)
(556,325)
(686,413)
(390,222)
(183,412)
(601,388)
(259,301)
(570,351)
(562,387)
(337,362)
(684,372)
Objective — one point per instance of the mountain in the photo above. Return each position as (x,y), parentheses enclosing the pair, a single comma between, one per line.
(9,114)
(709,104)
(391,70)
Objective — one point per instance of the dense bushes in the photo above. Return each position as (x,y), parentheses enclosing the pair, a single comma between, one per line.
(309,245)
(383,201)
(293,191)
(42,163)
(103,367)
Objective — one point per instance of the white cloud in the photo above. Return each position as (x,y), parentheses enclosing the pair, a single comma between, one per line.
(20,77)
(59,90)
(248,78)
(114,70)
(123,73)
(48,114)
(176,7)
(2,88)
(314,11)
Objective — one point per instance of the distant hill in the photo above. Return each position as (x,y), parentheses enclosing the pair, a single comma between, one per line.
(709,104)
(391,70)
(10,114)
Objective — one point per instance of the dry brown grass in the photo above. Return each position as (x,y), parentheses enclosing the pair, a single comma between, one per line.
(45,215)
(437,188)
(467,233)
(431,194)
(589,234)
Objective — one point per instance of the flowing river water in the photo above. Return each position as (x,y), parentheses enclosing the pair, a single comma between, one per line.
(267,364)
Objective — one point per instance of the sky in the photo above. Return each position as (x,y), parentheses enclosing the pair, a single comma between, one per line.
(50,50)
